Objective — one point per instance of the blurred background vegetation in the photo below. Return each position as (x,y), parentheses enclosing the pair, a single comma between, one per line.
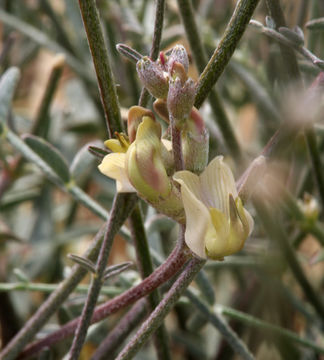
(280,282)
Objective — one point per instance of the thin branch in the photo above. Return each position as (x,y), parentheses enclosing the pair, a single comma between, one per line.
(169,268)
(220,324)
(265,326)
(158,27)
(289,59)
(48,308)
(145,265)
(157,35)
(55,300)
(290,63)
(116,213)
(120,332)
(165,306)
(42,123)
(225,49)
(176,146)
(200,56)
(42,39)
(275,35)
(49,288)
(276,232)
(316,160)
(105,78)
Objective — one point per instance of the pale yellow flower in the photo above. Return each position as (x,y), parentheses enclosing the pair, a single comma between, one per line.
(217,224)
(113,166)
(142,167)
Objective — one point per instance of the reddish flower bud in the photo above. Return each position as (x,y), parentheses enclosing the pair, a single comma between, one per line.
(180,99)
(153,77)
(179,55)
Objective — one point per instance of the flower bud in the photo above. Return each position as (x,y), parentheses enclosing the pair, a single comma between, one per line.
(153,77)
(179,55)
(135,115)
(180,99)
(195,143)
(309,207)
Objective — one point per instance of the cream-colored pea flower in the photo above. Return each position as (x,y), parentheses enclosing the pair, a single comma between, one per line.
(113,166)
(142,167)
(217,224)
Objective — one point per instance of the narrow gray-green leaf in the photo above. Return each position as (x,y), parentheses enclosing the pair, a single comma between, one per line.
(100,153)
(8,83)
(13,198)
(50,155)
(42,39)
(315,24)
(116,269)
(83,163)
(9,236)
(291,35)
(84,262)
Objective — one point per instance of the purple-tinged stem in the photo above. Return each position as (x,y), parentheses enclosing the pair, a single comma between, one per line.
(155,319)
(120,332)
(176,146)
(97,280)
(169,268)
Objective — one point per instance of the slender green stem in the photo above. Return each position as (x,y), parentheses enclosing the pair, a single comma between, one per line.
(145,266)
(258,92)
(302,13)
(276,232)
(200,56)
(165,306)
(169,268)
(192,33)
(49,288)
(225,49)
(55,300)
(289,202)
(216,320)
(41,39)
(289,59)
(314,13)
(72,189)
(121,331)
(291,66)
(158,27)
(157,35)
(59,27)
(225,126)
(316,160)
(83,198)
(265,326)
(275,35)
(105,78)
(41,124)
(117,212)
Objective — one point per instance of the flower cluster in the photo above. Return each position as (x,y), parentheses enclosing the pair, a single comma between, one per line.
(203,198)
